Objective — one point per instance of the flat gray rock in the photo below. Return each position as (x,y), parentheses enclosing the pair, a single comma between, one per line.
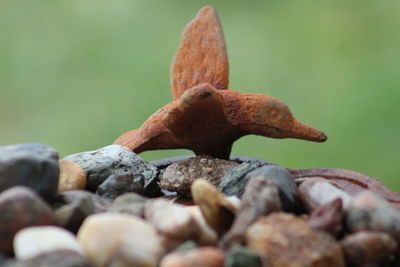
(114,170)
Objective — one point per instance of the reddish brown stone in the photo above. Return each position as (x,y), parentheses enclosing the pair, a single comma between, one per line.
(328,217)
(287,240)
(20,207)
(199,257)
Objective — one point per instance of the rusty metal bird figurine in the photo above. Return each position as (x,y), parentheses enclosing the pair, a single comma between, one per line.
(204,116)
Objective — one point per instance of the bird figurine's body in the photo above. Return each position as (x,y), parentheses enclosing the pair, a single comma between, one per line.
(204,116)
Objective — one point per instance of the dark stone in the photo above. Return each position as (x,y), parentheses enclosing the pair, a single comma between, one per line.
(72,215)
(20,207)
(73,196)
(130,203)
(328,217)
(59,258)
(34,165)
(240,256)
(233,183)
(368,211)
(118,170)
(260,197)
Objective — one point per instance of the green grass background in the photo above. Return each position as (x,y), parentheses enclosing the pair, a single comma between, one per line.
(77,73)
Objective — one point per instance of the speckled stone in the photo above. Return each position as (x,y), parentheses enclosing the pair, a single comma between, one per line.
(366,248)
(72,177)
(34,165)
(36,240)
(368,211)
(20,207)
(179,176)
(287,240)
(117,170)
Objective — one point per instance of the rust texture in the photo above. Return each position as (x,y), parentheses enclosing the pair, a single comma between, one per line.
(204,118)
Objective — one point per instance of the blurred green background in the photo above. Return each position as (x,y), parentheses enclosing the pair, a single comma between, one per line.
(77,73)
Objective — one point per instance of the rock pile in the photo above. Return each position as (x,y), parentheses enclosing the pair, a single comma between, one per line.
(111,208)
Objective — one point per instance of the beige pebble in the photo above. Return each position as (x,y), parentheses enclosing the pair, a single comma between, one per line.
(72,177)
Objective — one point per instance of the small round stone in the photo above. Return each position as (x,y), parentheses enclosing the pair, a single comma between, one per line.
(72,177)
(33,241)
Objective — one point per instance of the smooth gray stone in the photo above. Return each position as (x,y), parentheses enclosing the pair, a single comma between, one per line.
(233,183)
(130,203)
(34,165)
(117,169)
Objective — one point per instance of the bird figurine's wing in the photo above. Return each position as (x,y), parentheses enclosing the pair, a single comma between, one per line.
(201,56)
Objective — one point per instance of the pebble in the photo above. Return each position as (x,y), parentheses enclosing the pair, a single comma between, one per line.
(233,183)
(72,215)
(34,165)
(129,203)
(173,221)
(124,170)
(366,248)
(179,176)
(286,240)
(260,197)
(59,258)
(69,197)
(36,240)
(328,217)
(205,235)
(72,177)
(280,176)
(315,192)
(368,211)
(204,256)
(20,207)
(119,239)
(218,212)
(240,256)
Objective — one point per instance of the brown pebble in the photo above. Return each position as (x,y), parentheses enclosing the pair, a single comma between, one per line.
(72,176)
(260,197)
(368,248)
(217,210)
(328,217)
(287,240)
(198,257)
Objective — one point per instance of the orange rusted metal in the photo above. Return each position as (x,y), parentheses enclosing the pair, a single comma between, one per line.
(204,118)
